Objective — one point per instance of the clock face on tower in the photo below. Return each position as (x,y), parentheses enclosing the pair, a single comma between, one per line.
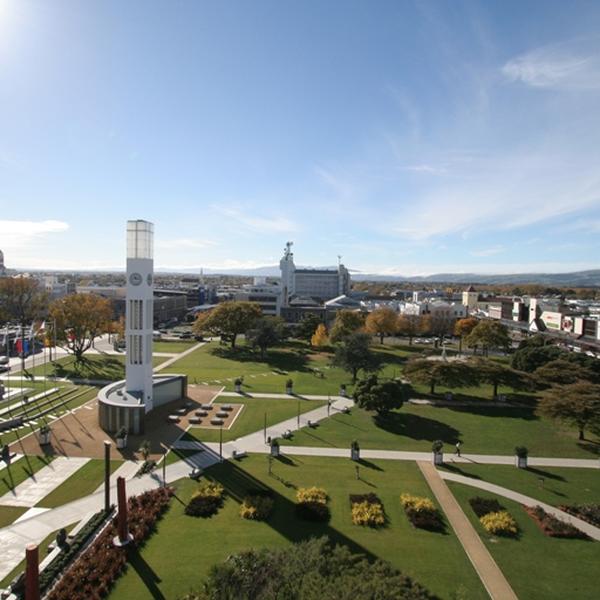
(135,279)
(149,279)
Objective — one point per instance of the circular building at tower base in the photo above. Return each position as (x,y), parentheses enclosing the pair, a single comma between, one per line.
(118,408)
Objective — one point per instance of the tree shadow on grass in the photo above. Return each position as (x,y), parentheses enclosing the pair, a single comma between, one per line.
(369,465)
(416,427)
(276,360)
(454,469)
(527,414)
(239,483)
(545,474)
(590,446)
(145,572)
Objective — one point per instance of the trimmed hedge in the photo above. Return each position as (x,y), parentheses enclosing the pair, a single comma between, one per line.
(552,526)
(483,506)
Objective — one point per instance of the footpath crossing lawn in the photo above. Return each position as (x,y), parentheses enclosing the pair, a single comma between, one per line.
(481,430)
(83,482)
(252,417)
(551,485)
(20,470)
(537,566)
(181,552)
(9,514)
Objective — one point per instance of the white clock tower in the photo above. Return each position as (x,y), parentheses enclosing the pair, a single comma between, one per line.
(139,310)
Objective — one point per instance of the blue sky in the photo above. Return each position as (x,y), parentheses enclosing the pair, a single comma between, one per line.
(408,137)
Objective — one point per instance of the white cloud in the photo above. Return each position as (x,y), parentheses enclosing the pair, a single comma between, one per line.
(19,234)
(565,66)
(256,223)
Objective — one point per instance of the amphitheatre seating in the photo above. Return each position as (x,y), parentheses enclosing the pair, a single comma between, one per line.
(195,420)
(215,421)
(222,414)
(173,418)
(201,413)
(227,407)
(206,406)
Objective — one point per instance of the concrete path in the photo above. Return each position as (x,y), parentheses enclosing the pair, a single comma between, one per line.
(127,470)
(490,574)
(593,532)
(332,397)
(169,362)
(47,479)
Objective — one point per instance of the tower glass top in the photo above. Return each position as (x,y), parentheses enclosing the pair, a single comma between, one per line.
(140,239)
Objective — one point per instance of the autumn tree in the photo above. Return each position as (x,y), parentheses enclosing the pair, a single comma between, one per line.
(409,326)
(380,396)
(265,333)
(462,328)
(437,324)
(354,354)
(80,318)
(496,374)
(576,403)
(439,372)
(306,328)
(382,321)
(21,300)
(229,319)
(319,338)
(346,323)
(489,334)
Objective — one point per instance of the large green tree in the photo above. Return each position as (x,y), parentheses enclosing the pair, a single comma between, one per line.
(576,403)
(354,354)
(306,328)
(463,327)
(489,335)
(228,320)
(438,372)
(380,396)
(79,319)
(531,358)
(266,332)
(346,323)
(497,374)
(563,372)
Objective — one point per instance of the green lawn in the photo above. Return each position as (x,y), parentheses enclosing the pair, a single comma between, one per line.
(183,549)
(559,485)
(82,483)
(537,566)
(483,430)
(9,514)
(20,470)
(252,417)
(173,347)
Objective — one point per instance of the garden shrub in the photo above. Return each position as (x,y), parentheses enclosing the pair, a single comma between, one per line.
(422,512)
(499,523)
(312,504)
(256,507)
(590,513)
(367,510)
(552,526)
(483,506)
(146,467)
(205,501)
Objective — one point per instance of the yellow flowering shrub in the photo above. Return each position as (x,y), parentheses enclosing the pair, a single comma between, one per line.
(417,503)
(368,514)
(311,494)
(499,523)
(257,508)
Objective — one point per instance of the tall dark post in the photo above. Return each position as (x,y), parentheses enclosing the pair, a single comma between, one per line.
(32,573)
(265,428)
(123,536)
(298,415)
(221,444)
(164,467)
(106,475)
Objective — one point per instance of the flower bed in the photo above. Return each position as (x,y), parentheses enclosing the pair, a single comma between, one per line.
(552,526)
(206,501)
(367,510)
(483,506)
(311,504)
(422,512)
(590,513)
(499,523)
(95,571)
(257,507)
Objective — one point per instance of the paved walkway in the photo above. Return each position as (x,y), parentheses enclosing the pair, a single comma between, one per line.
(593,532)
(284,396)
(47,479)
(491,576)
(177,357)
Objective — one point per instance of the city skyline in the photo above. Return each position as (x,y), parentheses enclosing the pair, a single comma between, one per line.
(410,138)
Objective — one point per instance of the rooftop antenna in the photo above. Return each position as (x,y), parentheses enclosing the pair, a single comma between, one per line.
(339,259)
(288,249)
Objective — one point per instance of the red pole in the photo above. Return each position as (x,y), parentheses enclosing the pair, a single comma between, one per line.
(122,499)
(32,573)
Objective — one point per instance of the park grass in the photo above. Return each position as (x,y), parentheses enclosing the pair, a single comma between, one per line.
(9,514)
(172,346)
(20,470)
(552,485)
(252,417)
(537,566)
(83,482)
(485,430)
(176,454)
(182,551)
(42,553)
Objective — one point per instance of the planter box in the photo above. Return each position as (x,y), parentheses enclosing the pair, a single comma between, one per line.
(122,442)
(289,390)
(238,388)
(438,458)
(45,438)
(354,454)
(343,392)
(275,451)
(521,463)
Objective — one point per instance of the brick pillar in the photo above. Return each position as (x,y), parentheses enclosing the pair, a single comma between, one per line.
(32,573)
(122,499)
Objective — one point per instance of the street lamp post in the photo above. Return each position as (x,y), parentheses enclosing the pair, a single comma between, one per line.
(106,475)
